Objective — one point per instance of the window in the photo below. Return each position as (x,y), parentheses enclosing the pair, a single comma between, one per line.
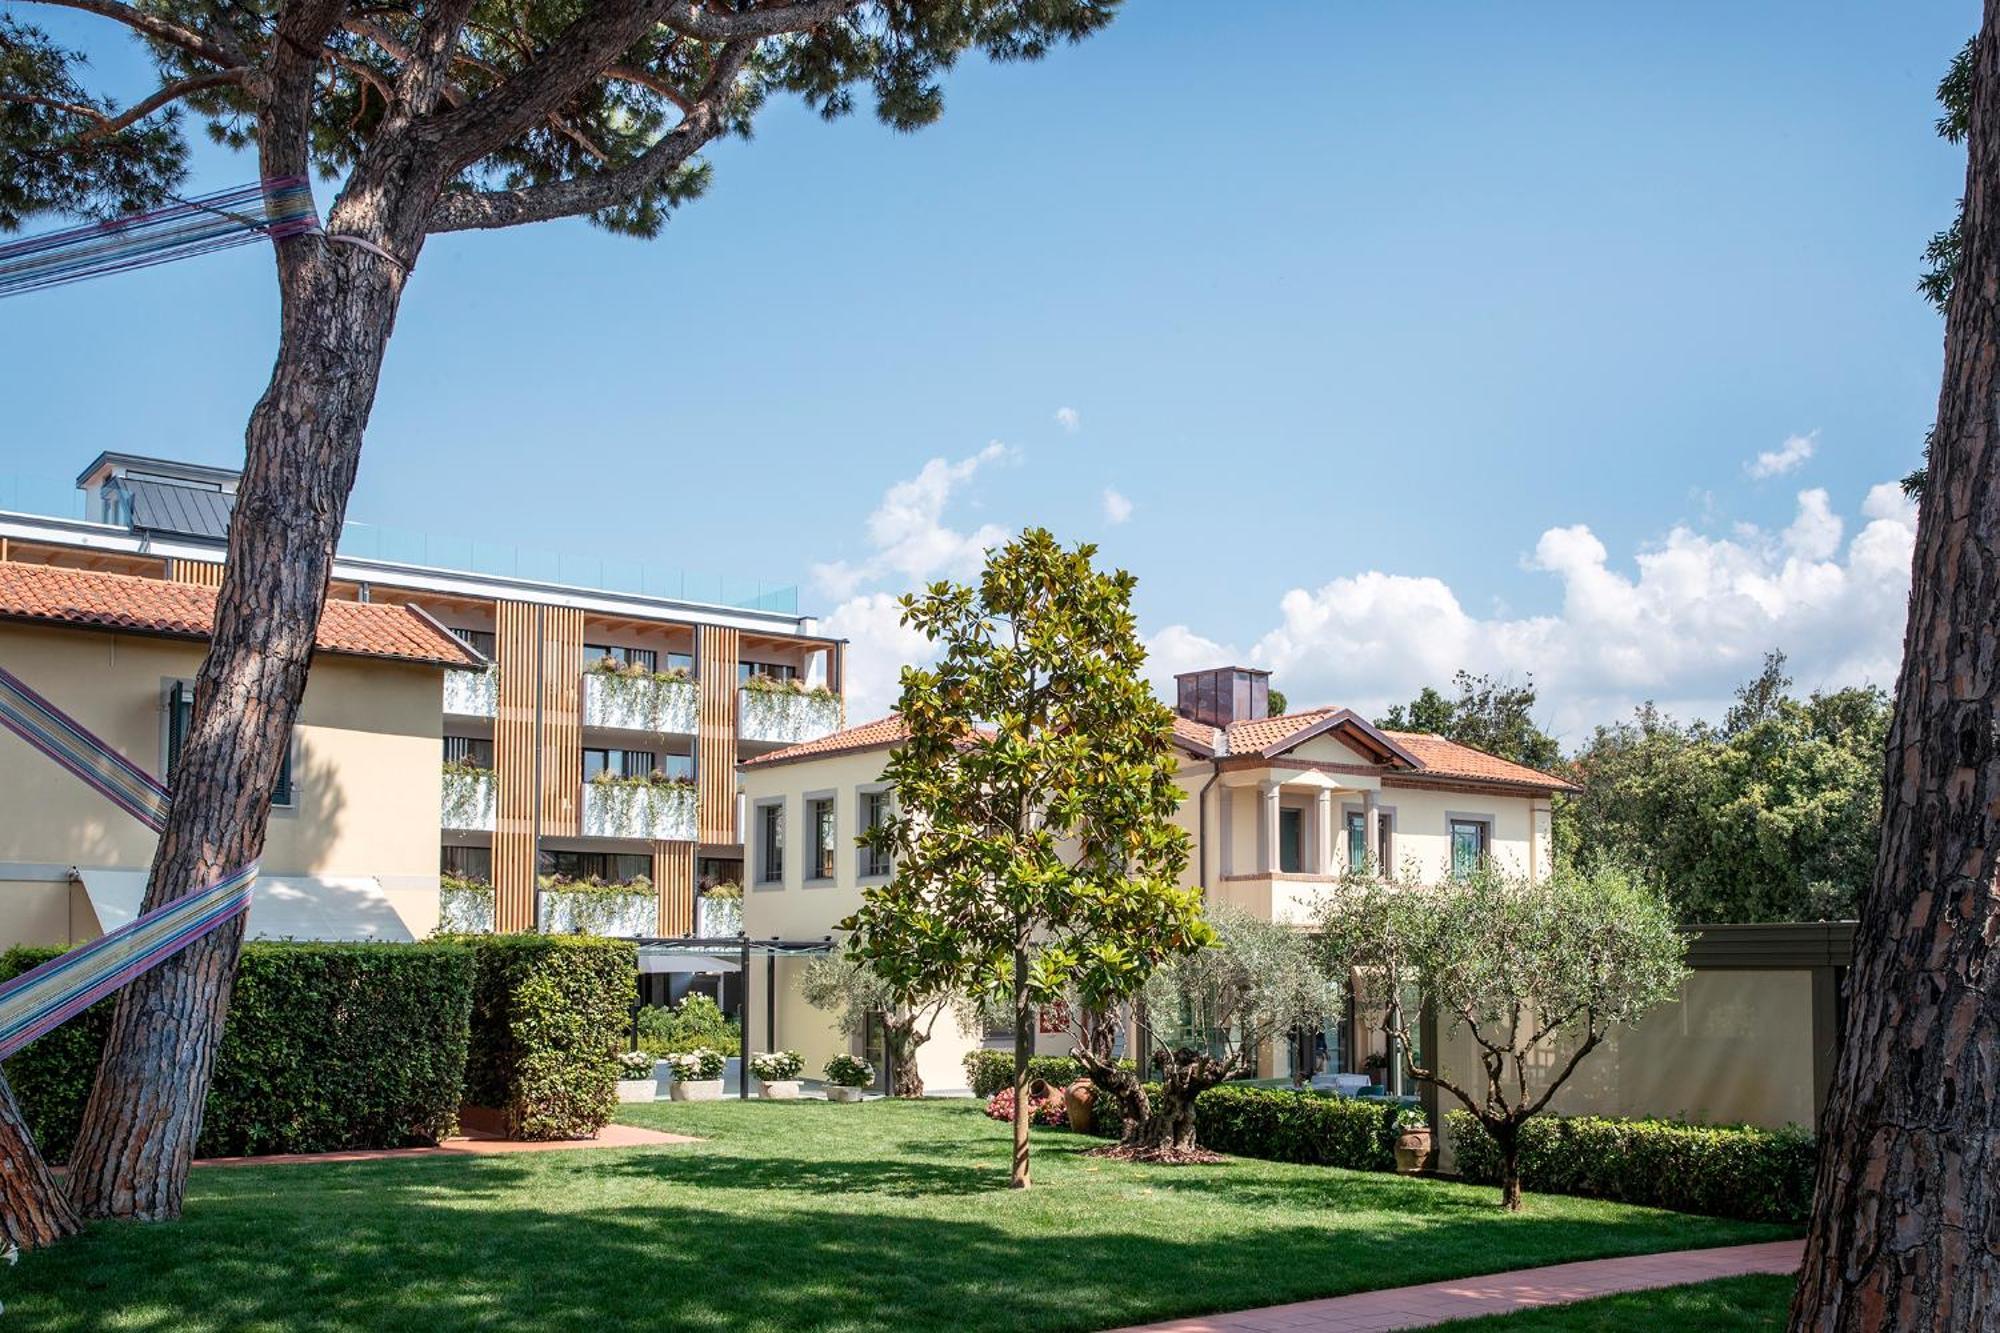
(473,863)
(874,813)
(680,662)
(768,670)
(474,750)
(480,641)
(180,720)
(608,867)
(1291,841)
(643,658)
(1468,844)
(617,763)
(771,843)
(819,824)
(1357,841)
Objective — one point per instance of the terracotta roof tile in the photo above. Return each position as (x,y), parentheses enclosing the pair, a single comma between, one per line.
(50,594)
(1198,736)
(1263,732)
(883,731)
(1448,759)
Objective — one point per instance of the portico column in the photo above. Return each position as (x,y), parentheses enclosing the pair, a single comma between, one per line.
(1267,829)
(1371,841)
(1323,830)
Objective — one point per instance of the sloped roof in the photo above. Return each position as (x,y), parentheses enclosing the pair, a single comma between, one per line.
(883,731)
(1449,759)
(89,599)
(184,511)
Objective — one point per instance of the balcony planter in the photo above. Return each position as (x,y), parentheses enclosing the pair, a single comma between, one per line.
(718,918)
(472,693)
(465,908)
(642,702)
(627,910)
(650,810)
(466,800)
(780,713)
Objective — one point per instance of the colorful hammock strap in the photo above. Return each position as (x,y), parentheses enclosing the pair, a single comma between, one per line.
(41,998)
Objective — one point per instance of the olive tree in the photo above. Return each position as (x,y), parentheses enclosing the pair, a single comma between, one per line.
(1206,1016)
(1537,971)
(843,985)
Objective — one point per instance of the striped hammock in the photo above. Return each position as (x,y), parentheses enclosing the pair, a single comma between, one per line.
(38,1000)
(179,230)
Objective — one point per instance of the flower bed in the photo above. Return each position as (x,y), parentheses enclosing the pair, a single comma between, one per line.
(1050,1112)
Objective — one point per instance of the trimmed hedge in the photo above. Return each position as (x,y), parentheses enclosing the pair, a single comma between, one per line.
(549,1019)
(1305,1127)
(327,1047)
(988,1071)
(1740,1171)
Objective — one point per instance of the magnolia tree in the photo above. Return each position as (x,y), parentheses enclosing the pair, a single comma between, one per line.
(1205,1016)
(844,985)
(1032,830)
(445,116)
(1535,971)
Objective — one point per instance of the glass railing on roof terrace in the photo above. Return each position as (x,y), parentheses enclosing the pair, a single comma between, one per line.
(367,541)
(45,497)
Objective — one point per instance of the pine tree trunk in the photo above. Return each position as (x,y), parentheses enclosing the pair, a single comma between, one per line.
(303,442)
(33,1209)
(1906,1209)
(1024,1048)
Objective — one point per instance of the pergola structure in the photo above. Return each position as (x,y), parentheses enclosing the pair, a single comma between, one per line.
(728,953)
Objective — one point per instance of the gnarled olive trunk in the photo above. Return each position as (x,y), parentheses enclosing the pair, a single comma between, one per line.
(904,1038)
(302,446)
(1906,1207)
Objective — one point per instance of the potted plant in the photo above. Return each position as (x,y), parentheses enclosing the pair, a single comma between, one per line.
(1413,1140)
(1080,1105)
(777,1074)
(635,1077)
(698,1074)
(847,1078)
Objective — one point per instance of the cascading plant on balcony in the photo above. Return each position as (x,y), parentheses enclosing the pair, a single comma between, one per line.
(634,807)
(595,906)
(467,797)
(465,905)
(786,709)
(642,698)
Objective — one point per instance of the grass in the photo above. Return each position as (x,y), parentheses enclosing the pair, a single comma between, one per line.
(790,1216)
(1726,1305)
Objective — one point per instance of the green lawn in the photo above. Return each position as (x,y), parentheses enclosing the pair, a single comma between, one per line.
(1726,1305)
(795,1215)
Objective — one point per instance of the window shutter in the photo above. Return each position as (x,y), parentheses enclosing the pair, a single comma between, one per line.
(282,793)
(180,715)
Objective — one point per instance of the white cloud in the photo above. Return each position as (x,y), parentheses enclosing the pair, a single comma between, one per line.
(1787,457)
(1117,509)
(911,544)
(908,533)
(1069,419)
(1687,623)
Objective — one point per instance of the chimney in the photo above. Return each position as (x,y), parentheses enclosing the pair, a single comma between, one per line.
(1222,695)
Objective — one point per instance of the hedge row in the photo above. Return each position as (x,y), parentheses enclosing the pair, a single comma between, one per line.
(988,1071)
(327,1047)
(1310,1128)
(1741,1171)
(549,1015)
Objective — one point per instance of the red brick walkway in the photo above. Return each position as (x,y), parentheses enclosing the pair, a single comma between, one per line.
(611,1136)
(1439,1302)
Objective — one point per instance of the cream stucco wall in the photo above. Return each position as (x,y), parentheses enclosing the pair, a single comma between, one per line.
(365,771)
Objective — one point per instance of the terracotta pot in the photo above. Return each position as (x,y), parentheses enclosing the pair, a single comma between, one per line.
(1413,1149)
(1080,1100)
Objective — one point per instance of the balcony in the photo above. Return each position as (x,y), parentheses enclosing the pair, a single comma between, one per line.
(467,803)
(662,810)
(1272,896)
(785,715)
(624,910)
(648,702)
(472,693)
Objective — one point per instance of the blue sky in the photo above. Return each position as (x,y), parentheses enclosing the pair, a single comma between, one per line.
(1363,310)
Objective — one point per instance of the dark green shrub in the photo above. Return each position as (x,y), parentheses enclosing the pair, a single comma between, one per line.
(327,1047)
(1280,1125)
(51,1076)
(1741,1171)
(988,1071)
(549,1019)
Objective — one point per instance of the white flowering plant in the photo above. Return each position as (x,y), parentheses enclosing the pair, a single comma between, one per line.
(635,1064)
(777,1066)
(698,1065)
(849,1071)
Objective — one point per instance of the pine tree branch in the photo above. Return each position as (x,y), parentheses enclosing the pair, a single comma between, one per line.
(151,25)
(172,92)
(692,19)
(580,195)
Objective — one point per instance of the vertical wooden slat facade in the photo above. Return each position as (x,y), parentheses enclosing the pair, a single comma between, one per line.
(562,720)
(208,573)
(716,653)
(673,878)
(514,748)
